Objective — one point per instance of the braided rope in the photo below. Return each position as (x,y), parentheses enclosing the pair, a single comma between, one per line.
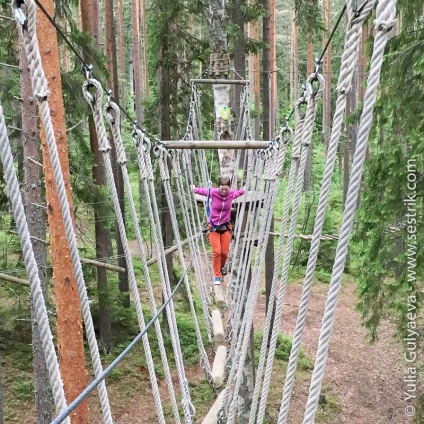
(186,203)
(352,40)
(95,101)
(113,116)
(41,92)
(300,119)
(272,169)
(37,297)
(143,147)
(187,405)
(307,132)
(386,13)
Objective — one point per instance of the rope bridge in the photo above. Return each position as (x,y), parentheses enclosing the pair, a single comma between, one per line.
(264,168)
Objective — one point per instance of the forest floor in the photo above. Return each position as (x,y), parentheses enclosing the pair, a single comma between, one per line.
(363,383)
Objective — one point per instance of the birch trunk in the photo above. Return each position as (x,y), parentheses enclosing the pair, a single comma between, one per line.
(221,92)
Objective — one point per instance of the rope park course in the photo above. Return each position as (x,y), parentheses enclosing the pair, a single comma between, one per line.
(184,163)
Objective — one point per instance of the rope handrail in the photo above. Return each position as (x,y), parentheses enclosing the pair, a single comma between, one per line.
(74,404)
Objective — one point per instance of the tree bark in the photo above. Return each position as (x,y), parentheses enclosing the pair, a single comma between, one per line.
(273,70)
(295,60)
(112,68)
(138,77)
(266,69)
(1,397)
(143,28)
(69,322)
(91,25)
(37,228)
(239,54)
(254,77)
(121,48)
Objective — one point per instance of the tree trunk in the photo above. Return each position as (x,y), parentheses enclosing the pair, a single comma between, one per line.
(138,77)
(239,54)
(273,70)
(1,397)
(254,77)
(112,68)
(69,322)
(295,60)
(143,27)
(37,228)
(91,25)
(121,49)
(266,69)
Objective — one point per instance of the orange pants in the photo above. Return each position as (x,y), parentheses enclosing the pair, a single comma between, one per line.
(220,247)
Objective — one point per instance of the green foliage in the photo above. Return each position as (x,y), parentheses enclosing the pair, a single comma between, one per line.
(23,389)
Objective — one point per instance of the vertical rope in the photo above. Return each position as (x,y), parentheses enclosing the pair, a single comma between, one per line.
(41,92)
(95,102)
(352,40)
(386,13)
(307,133)
(113,116)
(32,270)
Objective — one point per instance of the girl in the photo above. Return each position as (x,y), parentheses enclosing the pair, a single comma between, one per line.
(219,221)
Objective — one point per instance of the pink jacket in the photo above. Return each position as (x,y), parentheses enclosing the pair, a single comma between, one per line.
(220,209)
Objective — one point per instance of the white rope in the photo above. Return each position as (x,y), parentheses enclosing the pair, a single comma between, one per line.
(307,132)
(95,101)
(113,116)
(300,119)
(272,169)
(386,13)
(143,146)
(193,246)
(41,92)
(40,309)
(352,40)
(161,153)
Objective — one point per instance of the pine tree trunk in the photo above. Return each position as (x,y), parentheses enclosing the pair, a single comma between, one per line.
(112,68)
(273,70)
(138,77)
(121,48)
(37,228)
(145,51)
(254,77)
(103,239)
(69,322)
(295,59)
(239,54)
(266,69)
(1,397)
